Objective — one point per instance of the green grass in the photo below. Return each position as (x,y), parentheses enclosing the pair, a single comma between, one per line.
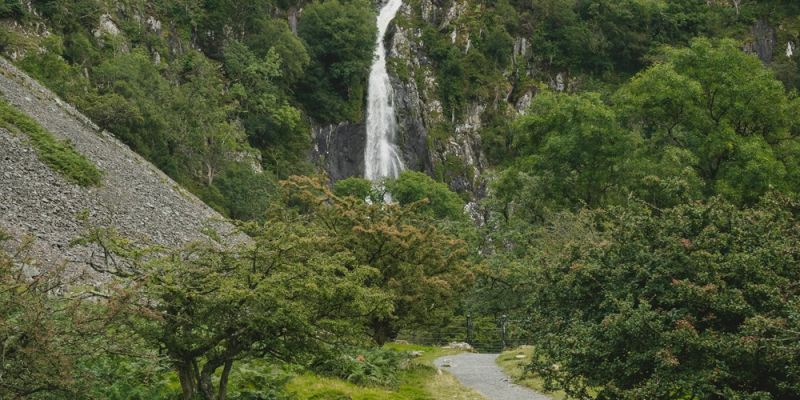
(57,154)
(419,382)
(515,368)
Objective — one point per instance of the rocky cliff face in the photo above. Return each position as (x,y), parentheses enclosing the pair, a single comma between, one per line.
(135,197)
(339,149)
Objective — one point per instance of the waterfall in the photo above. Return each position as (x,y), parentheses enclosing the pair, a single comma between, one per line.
(381,156)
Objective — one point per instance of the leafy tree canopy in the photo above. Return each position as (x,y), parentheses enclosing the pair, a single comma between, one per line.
(422,268)
(340,37)
(699,301)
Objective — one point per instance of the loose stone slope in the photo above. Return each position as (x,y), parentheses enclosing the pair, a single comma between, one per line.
(136,197)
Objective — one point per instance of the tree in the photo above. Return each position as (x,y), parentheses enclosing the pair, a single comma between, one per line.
(274,34)
(737,89)
(207,134)
(141,123)
(657,104)
(231,20)
(359,188)
(273,125)
(284,294)
(412,187)
(696,302)
(574,147)
(247,194)
(340,37)
(47,337)
(422,269)
(719,105)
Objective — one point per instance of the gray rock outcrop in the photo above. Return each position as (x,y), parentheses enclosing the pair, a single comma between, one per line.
(339,149)
(764,41)
(455,156)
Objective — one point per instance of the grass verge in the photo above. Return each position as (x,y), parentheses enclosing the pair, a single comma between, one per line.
(513,363)
(421,381)
(57,154)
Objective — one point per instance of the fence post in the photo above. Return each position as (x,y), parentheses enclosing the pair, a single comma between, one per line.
(469,328)
(503,325)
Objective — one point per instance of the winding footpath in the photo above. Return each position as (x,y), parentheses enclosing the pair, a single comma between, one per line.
(480,372)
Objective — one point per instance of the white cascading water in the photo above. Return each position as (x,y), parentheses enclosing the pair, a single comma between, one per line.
(381,156)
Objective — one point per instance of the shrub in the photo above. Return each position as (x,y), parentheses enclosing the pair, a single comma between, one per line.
(366,367)
(359,188)
(246,194)
(414,186)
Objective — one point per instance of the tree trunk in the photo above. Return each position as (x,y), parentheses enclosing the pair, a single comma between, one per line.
(223,380)
(196,383)
(186,377)
(206,383)
(381,331)
(209,173)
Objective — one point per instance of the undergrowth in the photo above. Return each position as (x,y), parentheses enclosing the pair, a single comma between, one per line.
(417,380)
(365,367)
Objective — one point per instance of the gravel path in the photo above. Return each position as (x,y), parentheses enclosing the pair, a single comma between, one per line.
(480,372)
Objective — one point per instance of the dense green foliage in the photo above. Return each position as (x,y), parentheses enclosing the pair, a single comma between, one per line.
(340,37)
(696,302)
(431,198)
(441,202)
(705,120)
(422,268)
(359,188)
(58,154)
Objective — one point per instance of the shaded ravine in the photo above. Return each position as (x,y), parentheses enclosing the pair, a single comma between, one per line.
(481,372)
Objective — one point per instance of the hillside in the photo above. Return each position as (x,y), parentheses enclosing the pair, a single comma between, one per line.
(279,89)
(133,196)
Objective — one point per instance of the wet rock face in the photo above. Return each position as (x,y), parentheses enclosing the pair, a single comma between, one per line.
(413,133)
(415,111)
(339,149)
(764,41)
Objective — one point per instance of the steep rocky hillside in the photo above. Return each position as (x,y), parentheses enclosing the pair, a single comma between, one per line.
(134,196)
